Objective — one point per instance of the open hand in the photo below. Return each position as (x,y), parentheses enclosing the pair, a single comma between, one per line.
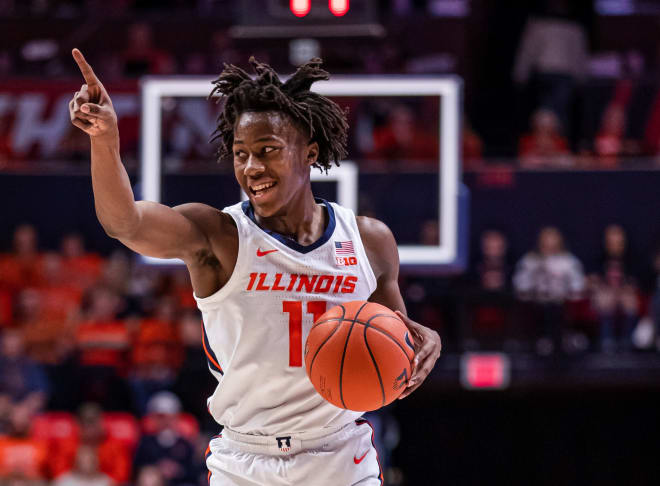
(91,109)
(428,347)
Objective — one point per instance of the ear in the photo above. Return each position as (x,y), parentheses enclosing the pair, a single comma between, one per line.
(312,153)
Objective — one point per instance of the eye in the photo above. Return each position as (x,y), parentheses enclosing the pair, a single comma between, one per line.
(268,150)
(239,154)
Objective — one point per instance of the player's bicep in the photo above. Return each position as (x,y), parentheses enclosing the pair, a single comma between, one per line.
(165,232)
(387,293)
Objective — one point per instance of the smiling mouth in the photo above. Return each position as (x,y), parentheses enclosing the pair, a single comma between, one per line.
(258,190)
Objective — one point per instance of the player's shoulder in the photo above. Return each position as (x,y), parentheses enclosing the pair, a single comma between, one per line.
(207,218)
(379,243)
(372,228)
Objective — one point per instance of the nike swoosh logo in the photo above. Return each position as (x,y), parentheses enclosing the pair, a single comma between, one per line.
(262,253)
(358,461)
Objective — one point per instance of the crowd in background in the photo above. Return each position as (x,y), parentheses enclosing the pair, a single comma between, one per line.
(559,304)
(574,106)
(79,331)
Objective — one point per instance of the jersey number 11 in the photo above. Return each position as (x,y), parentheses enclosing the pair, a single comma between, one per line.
(295,310)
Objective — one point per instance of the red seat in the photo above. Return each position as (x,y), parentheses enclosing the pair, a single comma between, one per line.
(54,427)
(122,427)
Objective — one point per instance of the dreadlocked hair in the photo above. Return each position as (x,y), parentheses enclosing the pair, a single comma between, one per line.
(321,118)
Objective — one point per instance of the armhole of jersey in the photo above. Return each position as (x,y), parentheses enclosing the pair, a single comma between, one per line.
(213,300)
(371,276)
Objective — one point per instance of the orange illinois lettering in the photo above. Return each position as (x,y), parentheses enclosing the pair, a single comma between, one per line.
(276,284)
(253,277)
(337,284)
(324,283)
(294,277)
(349,285)
(260,284)
(309,284)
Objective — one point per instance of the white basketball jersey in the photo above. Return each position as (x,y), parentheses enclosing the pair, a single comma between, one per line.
(255,326)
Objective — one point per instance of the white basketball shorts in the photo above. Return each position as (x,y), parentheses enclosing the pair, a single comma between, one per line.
(343,457)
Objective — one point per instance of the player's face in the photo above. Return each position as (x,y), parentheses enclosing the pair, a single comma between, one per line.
(271,160)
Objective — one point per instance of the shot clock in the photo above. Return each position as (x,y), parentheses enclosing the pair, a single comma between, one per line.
(307,18)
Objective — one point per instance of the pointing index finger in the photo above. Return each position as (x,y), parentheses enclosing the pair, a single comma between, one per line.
(85,69)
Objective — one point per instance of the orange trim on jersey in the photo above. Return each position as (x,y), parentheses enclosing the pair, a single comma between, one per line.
(209,356)
(380,468)
(206,455)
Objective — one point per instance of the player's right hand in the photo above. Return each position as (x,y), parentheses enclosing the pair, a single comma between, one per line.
(91,109)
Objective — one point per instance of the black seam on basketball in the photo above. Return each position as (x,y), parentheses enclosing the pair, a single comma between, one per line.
(339,320)
(368,324)
(343,313)
(311,365)
(343,355)
(380,379)
(357,320)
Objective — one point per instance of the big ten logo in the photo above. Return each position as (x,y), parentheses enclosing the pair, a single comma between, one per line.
(346,261)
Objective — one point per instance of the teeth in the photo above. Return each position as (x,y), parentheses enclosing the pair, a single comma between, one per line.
(263,186)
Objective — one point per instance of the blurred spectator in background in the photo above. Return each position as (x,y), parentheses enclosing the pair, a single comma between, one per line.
(22,381)
(492,269)
(49,339)
(157,353)
(609,142)
(22,267)
(614,291)
(150,476)
(552,59)
(117,275)
(46,312)
(111,458)
(82,268)
(86,471)
(488,296)
(22,456)
(141,57)
(103,341)
(165,448)
(21,480)
(544,146)
(401,138)
(194,382)
(548,276)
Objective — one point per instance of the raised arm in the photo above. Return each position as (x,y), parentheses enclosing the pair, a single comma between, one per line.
(148,228)
(383,256)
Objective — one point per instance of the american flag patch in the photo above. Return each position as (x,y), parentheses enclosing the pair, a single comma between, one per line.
(344,248)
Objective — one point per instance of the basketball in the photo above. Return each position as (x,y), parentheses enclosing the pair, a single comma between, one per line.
(358,356)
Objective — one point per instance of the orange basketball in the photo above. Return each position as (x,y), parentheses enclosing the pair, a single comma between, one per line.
(359,356)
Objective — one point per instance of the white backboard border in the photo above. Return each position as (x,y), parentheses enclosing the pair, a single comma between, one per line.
(448,88)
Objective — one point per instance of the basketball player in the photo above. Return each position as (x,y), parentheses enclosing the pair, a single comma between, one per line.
(261,271)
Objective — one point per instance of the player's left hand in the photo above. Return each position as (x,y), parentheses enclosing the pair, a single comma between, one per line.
(428,347)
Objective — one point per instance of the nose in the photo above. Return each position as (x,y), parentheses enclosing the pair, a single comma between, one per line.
(253,166)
